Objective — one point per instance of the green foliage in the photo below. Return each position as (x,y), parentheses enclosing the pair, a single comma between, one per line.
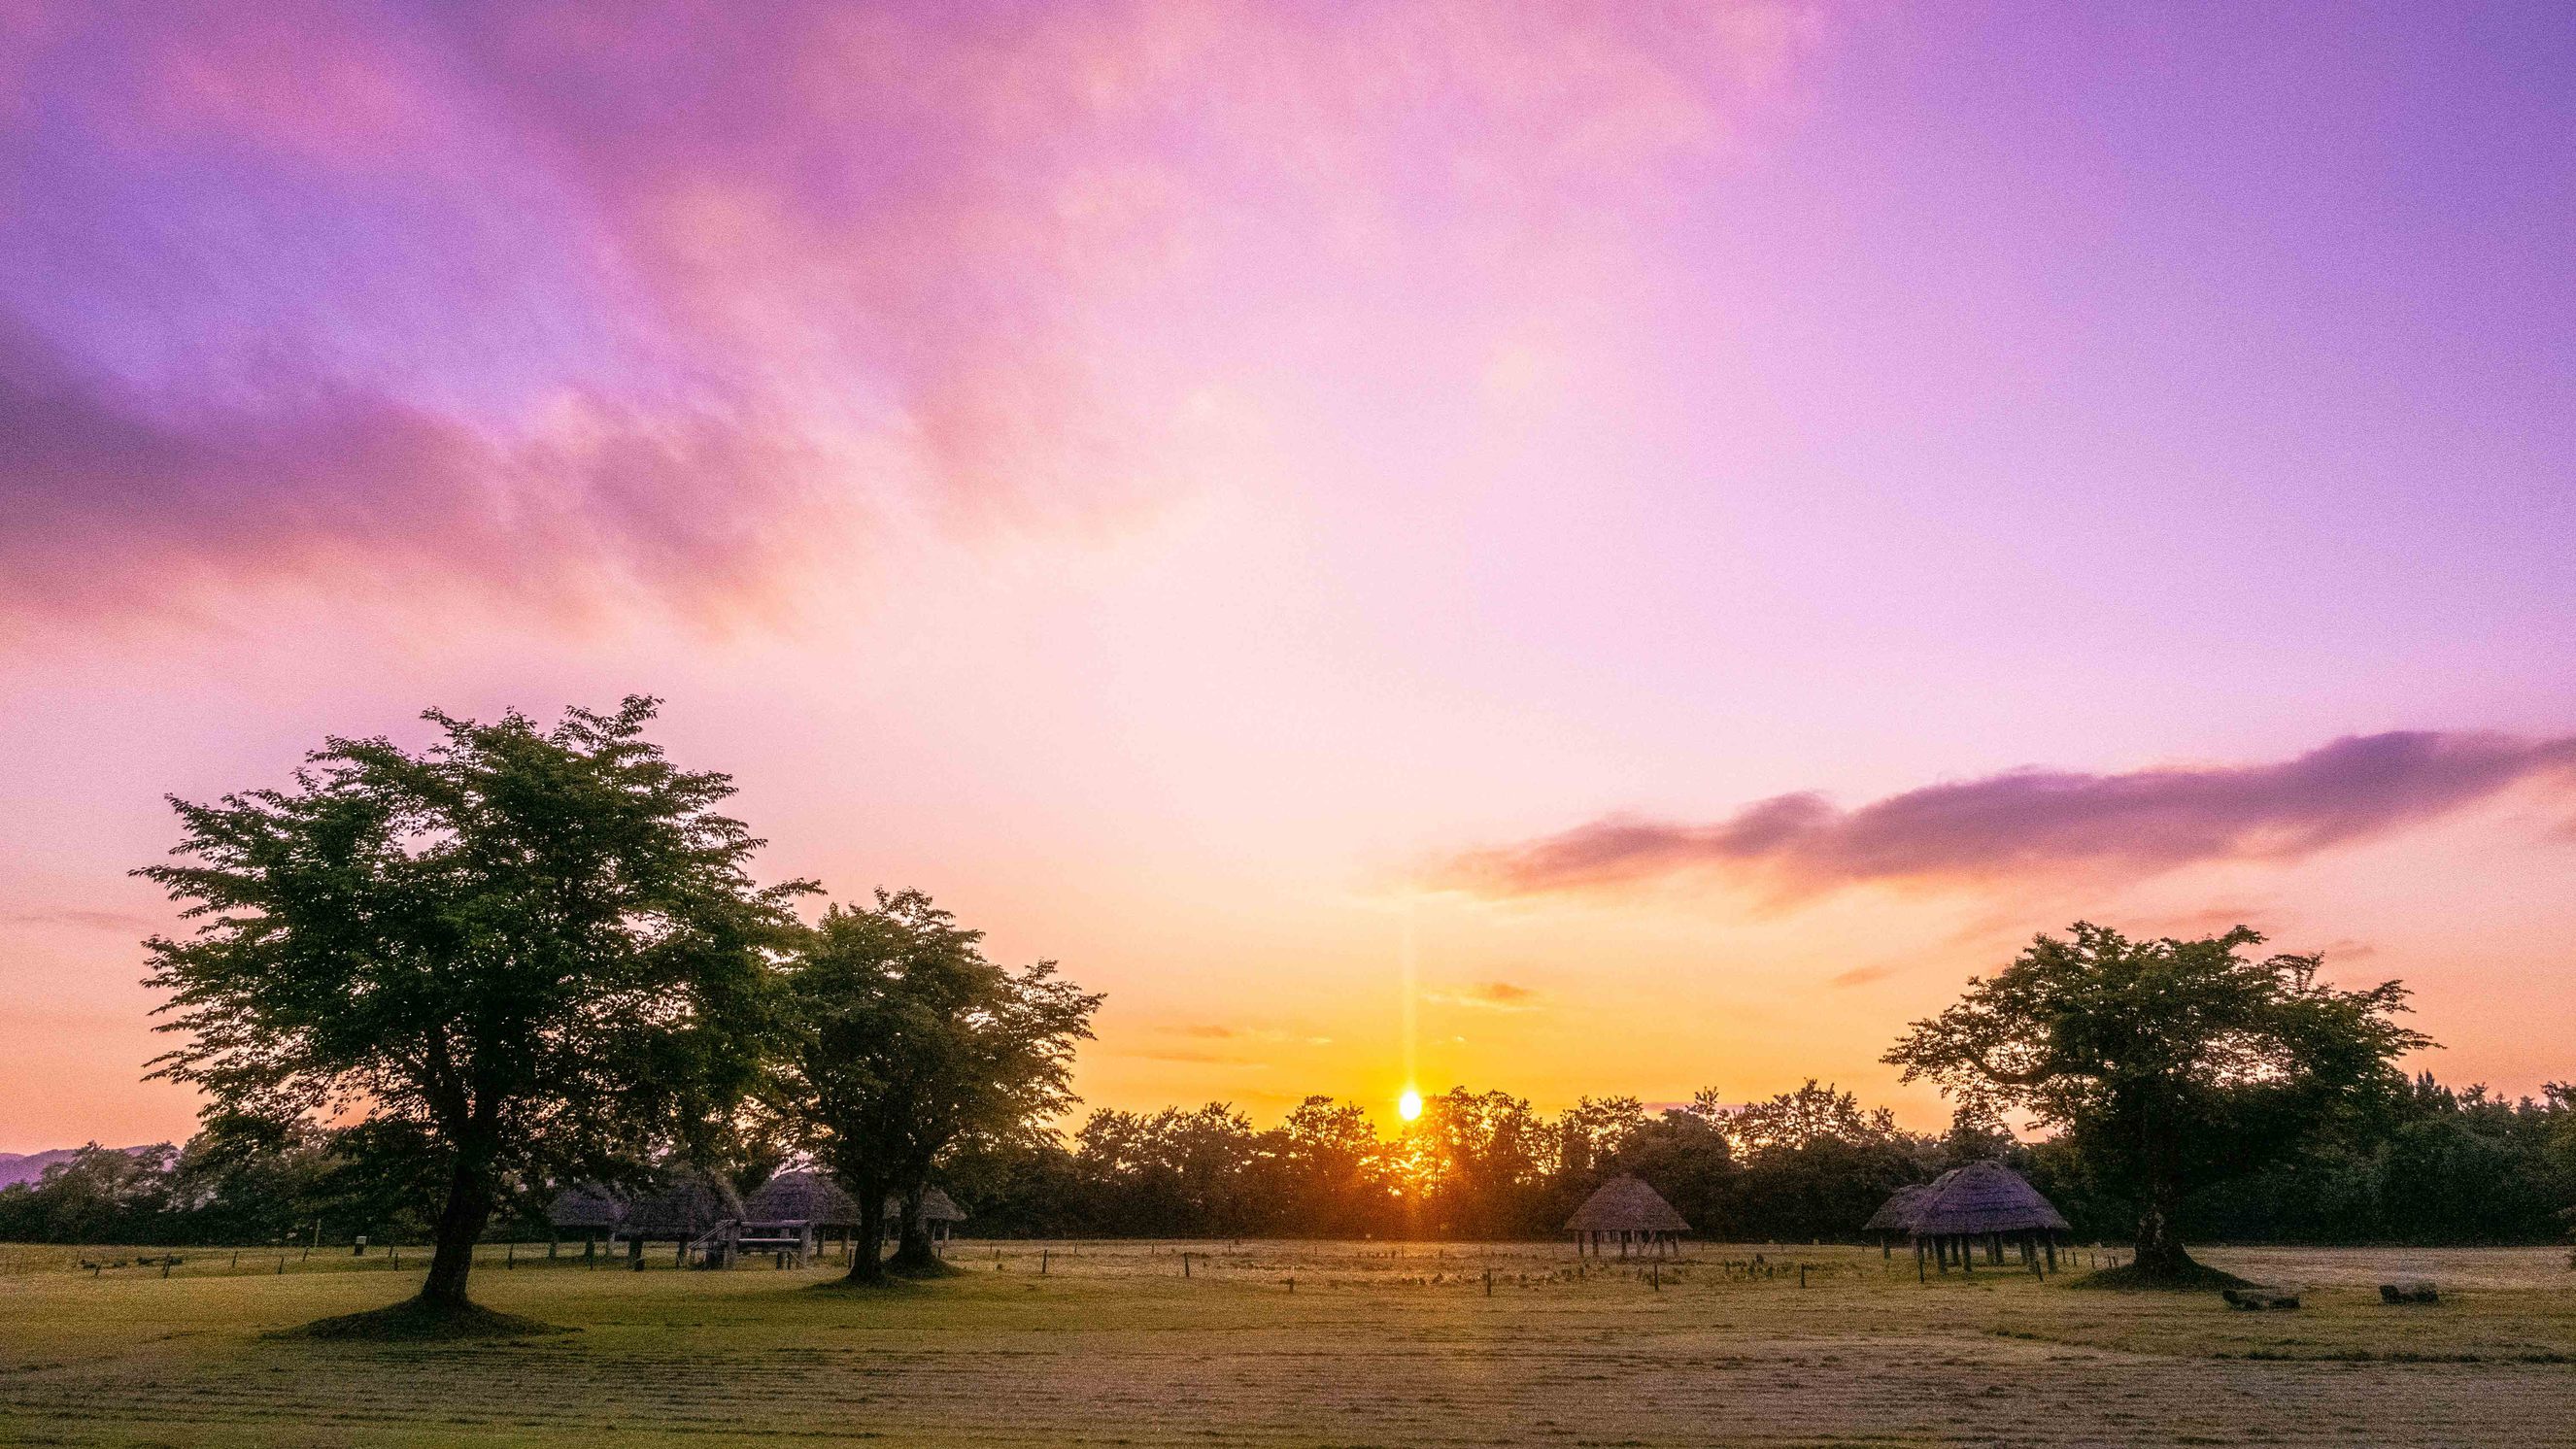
(1815,1164)
(1685,1156)
(2168,1065)
(520,953)
(1332,1176)
(900,1041)
(98,1195)
(1197,1170)
(1475,1159)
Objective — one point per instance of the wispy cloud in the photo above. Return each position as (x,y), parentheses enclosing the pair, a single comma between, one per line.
(1217,1031)
(1486,996)
(2042,823)
(122,922)
(1863,975)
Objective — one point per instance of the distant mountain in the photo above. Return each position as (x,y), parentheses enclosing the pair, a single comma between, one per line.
(17,1167)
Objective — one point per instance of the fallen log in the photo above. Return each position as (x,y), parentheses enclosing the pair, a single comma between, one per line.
(2258,1300)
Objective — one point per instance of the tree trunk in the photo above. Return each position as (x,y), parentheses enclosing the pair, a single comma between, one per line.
(912,1251)
(2160,1252)
(869,1189)
(460,1225)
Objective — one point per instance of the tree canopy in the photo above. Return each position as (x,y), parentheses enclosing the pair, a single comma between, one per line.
(2168,1065)
(904,1041)
(525,952)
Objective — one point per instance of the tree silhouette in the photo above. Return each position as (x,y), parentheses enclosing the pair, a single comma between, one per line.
(905,1041)
(2169,1065)
(530,952)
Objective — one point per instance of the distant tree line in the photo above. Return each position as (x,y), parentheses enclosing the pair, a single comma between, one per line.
(2443,1167)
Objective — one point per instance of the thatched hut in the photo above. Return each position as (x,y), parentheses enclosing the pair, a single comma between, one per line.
(588,1211)
(793,1212)
(694,1210)
(1983,1201)
(811,1198)
(1895,1217)
(1625,1207)
(939,1213)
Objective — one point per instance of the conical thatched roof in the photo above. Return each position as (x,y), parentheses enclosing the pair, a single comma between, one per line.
(1982,1197)
(936,1207)
(586,1205)
(802,1197)
(685,1209)
(1625,1204)
(1897,1214)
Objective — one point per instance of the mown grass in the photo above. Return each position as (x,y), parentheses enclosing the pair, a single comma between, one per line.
(1372,1345)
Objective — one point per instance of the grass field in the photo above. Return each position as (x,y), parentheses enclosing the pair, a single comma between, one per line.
(1375,1346)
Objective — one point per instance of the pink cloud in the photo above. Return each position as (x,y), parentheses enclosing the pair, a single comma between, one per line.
(114,505)
(2043,823)
(790,264)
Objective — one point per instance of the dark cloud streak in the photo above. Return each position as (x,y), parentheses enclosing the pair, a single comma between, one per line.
(2040,822)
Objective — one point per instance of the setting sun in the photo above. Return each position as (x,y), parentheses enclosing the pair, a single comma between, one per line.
(1409,1106)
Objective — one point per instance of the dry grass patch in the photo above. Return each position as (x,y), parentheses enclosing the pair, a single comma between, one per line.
(1112,1345)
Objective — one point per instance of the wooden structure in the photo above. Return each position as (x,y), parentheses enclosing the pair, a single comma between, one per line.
(1982,1202)
(588,1211)
(1895,1217)
(794,1212)
(707,1222)
(1627,1209)
(698,1213)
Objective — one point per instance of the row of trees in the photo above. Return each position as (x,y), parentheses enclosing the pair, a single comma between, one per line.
(2440,1167)
(528,957)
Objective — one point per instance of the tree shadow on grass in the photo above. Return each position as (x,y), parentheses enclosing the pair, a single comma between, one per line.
(2193,1278)
(417,1321)
(888,1286)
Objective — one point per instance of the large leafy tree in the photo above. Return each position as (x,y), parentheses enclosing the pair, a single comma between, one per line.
(528,953)
(904,1042)
(1684,1155)
(1475,1159)
(1332,1170)
(2169,1065)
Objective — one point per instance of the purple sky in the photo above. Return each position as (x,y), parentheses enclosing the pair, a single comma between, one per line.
(1712,522)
